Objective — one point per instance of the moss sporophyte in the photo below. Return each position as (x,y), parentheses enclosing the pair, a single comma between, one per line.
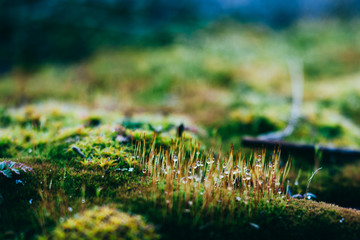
(173,182)
(191,180)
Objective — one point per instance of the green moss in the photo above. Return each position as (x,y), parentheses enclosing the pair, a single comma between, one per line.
(231,77)
(349,105)
(104,223)
(330,131)
(298,220)
(254,126)
(333,184)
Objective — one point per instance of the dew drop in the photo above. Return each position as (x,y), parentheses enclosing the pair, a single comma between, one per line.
(31,201)
(183,180)
(254,225)
(342,220)
(19,181)
(70,209)
(83,200)
(131,169)
(238,199)
(144,171)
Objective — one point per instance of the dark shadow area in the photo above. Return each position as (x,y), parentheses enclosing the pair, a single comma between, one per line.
(37,32)
(42,31)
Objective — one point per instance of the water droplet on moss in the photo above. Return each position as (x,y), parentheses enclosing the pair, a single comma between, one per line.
(254,225)
(210,160)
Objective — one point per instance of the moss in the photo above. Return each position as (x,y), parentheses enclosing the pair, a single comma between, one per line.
(348,105)
(251,125)
(5,119)
(330,131)
(104,223)
(300,219)
(93,121)
(333,184)
(323,220)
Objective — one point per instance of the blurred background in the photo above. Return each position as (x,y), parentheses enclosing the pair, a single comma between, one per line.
(222,63)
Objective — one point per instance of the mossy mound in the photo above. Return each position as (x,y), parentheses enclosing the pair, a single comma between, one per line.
(338,184)
(105,137)
(104,223)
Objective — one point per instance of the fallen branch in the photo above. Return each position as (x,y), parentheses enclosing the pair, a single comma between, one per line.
(306,150)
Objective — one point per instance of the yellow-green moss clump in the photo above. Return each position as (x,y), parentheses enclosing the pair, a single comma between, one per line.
(105,223)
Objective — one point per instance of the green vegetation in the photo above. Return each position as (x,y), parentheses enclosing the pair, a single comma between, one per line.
(175,183)
(8,168)
(104,223)
(148,131)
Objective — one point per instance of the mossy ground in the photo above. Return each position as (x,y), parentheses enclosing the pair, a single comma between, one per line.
(64,182)
(231,81)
